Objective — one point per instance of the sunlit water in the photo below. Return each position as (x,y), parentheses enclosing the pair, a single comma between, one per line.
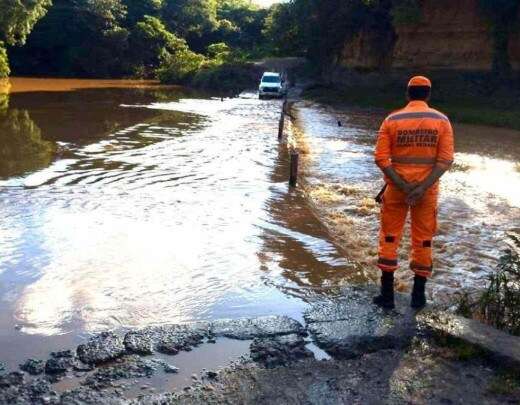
(159,206)
(479,204)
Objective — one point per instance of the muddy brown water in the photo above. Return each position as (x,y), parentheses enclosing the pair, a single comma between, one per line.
(479,204)
(129,204)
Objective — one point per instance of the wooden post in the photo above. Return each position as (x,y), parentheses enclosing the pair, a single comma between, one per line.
(293,180)
(281,126)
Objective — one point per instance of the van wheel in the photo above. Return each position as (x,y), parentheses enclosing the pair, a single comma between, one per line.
(260,97)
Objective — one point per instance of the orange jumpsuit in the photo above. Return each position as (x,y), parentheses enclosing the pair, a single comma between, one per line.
(412,140)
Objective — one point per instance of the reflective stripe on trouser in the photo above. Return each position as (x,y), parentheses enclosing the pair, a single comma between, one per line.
(424,225)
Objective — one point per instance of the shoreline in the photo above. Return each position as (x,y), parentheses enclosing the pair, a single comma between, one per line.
(373,356)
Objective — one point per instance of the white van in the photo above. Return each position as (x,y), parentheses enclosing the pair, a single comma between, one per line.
(271,85)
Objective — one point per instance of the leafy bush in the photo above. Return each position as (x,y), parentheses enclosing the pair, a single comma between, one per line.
(4,63)
(500,304)
(179,67)
(219,52)
(232,77)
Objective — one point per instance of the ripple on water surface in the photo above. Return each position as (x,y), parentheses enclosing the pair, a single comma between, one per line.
(158,208)
(480,196)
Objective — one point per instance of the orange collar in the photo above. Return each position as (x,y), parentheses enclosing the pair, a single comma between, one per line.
(417,103)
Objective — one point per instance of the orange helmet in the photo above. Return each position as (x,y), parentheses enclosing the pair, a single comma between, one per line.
(420,81)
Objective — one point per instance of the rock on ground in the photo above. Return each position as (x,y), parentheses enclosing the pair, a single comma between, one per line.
(64,361)
(33,367)
(168,339)
(124,368)
(102,348)
(265,326)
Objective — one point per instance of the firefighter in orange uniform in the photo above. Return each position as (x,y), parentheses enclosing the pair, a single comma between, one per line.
(414,149)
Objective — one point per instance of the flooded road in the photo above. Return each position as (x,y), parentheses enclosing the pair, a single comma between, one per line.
(480,196)
(140,205)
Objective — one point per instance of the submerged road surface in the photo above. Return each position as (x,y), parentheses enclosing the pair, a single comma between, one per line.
(159,207)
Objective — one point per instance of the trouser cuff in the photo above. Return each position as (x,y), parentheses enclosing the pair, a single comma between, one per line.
(387,265)
(421,270)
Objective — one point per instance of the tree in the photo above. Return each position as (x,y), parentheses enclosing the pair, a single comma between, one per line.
(77,38)
(287,27)
(17,18)
(137,9)
(151,43)
(240,24)
(191,19)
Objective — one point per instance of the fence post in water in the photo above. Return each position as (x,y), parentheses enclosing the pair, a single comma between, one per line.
(294,169)
(281,126)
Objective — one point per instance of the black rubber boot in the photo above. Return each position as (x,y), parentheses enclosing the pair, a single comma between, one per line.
(418,293)
(386,298)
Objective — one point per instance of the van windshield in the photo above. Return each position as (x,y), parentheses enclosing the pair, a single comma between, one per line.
(271,79)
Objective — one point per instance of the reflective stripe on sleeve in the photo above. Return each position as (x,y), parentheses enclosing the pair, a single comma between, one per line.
(417,115)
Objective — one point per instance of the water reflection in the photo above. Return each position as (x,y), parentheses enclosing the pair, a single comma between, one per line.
(159,207)
(22,148)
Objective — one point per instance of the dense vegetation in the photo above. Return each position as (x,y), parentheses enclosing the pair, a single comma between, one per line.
(205,41)
(127,38)
(320,29)
(17,18)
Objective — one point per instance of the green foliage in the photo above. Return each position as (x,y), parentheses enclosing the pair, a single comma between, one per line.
(21,145)
(219,52)
(240,24)
(320,29)
(287,29)
(137,9)
(17,18)
(232,77)
(77,38)
(4,62)
(119,38)
(150,43)
(180,66)
(500,304)
(190,19)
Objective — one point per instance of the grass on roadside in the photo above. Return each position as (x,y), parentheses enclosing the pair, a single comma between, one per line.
(470,109)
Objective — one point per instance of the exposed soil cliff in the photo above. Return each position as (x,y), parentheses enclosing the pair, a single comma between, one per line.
(449,35)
